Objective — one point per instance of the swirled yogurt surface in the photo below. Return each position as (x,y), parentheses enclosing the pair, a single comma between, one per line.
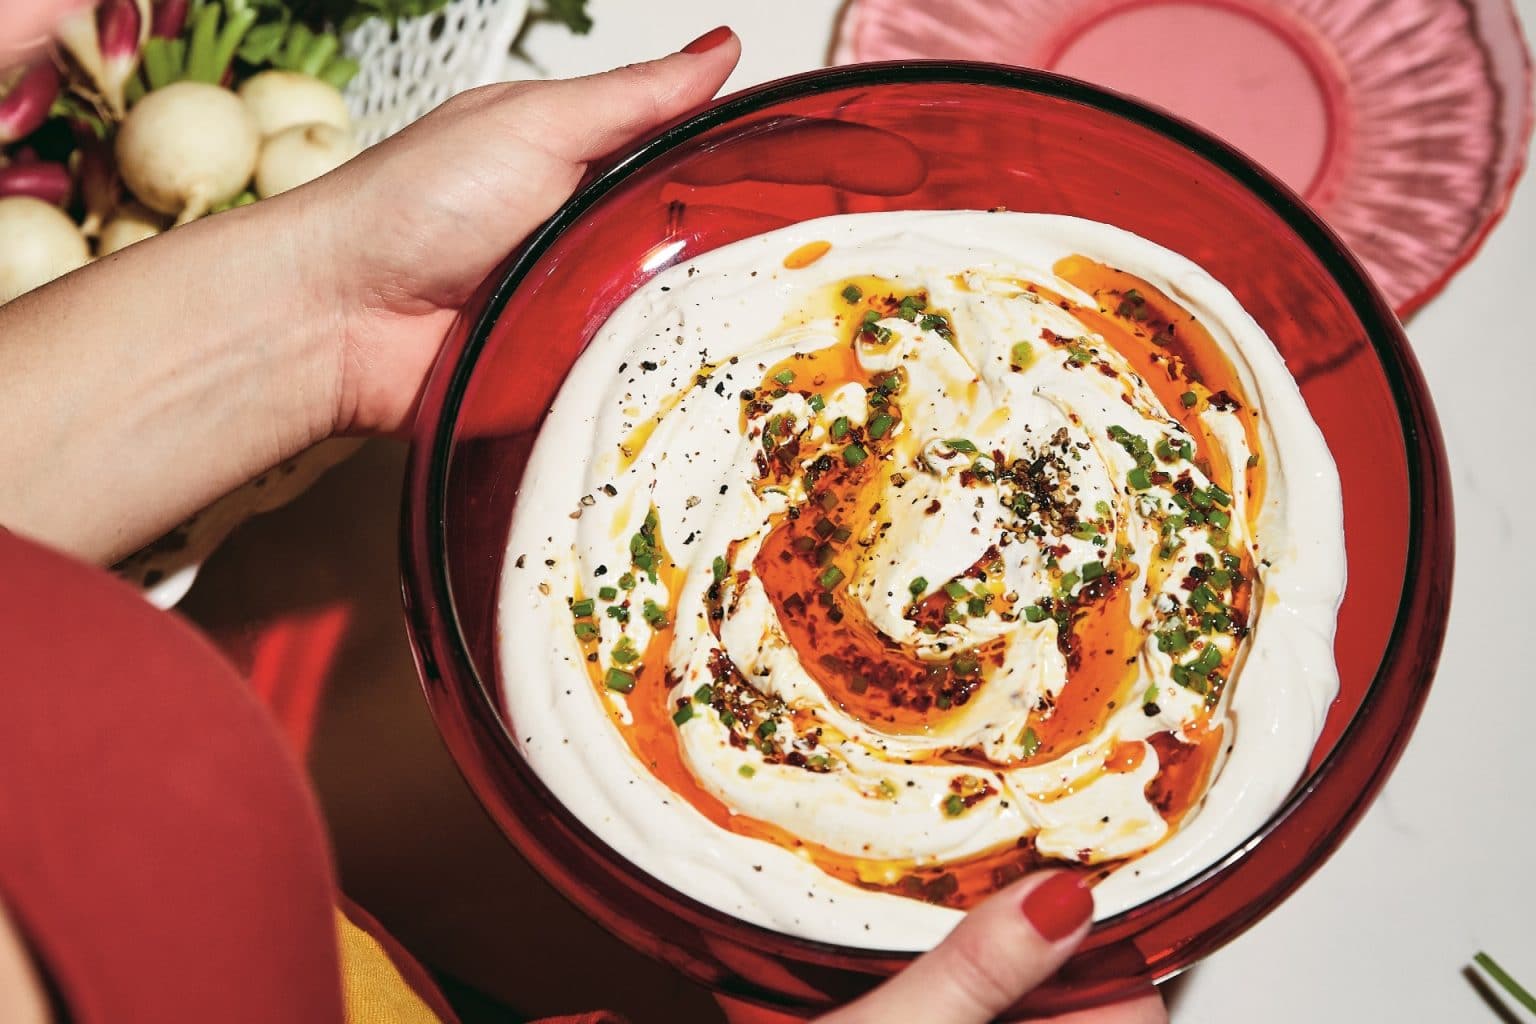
(863,565)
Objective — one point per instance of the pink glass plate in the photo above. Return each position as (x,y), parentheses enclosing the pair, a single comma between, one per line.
(1403,122)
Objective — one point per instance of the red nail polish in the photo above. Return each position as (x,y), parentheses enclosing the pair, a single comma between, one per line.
(709,40)
(1058,906)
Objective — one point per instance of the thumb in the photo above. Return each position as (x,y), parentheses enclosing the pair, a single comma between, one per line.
(1002,949)
(581,119)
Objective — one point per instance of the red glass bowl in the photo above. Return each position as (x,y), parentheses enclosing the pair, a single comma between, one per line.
(929,136)
(1403,122)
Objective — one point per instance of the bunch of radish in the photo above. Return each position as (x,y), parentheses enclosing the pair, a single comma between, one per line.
(146,114)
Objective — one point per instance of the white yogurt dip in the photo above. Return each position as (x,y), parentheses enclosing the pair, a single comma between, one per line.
(864,564)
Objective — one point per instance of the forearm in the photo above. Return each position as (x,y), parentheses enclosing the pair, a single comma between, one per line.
(142,387)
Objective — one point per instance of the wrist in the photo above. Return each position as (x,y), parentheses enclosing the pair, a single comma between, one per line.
(285,260)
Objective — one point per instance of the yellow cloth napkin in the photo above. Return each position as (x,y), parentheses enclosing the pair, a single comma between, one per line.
(375,991)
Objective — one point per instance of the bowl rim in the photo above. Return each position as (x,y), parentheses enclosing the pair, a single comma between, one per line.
(432,618)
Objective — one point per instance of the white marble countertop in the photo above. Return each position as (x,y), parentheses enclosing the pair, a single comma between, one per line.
(1444,864)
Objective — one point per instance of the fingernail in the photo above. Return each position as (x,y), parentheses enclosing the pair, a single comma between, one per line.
(1058,906)
(709,40)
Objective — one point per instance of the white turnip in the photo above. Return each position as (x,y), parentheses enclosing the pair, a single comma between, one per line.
(186,147)
(300,154)
(38,243)
(132,223)
(105,40)
(281,99)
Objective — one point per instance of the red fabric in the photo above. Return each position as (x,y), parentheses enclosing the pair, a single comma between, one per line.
(158,846)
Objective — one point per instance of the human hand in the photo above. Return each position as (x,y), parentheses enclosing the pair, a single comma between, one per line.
(1004,948)
(250,335)
(410,228)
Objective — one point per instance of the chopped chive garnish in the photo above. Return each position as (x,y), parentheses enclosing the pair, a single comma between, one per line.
(1150,697)
(607,593)
(683,713)
(704,694)
(1516,991)
(1209,659)
(627,581)
(619,680)
(1189,398)
(1172,641)
(960,444)
(1085,531)
(581,609)
(953,613)
(746,771)
(853,293)
(1219,518)
(1020,355)
(654,613)
(830,577)
(953,805)
(1218,495)
(817,403)
(976,607)
(618,611)
(1068,581)
(624,651)
(585,630)
(1092,571)
(880,425)
(1029,741)
(1138,478)
(839,429)
(767,728)
(917,586)
(854,454)
(785,377)
(1102,508)
(956,589)
(1202,597)
(966,665)
(720,568)
(871,317)
(1034,613)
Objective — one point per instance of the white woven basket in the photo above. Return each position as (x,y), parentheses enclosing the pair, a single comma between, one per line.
(409,68)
